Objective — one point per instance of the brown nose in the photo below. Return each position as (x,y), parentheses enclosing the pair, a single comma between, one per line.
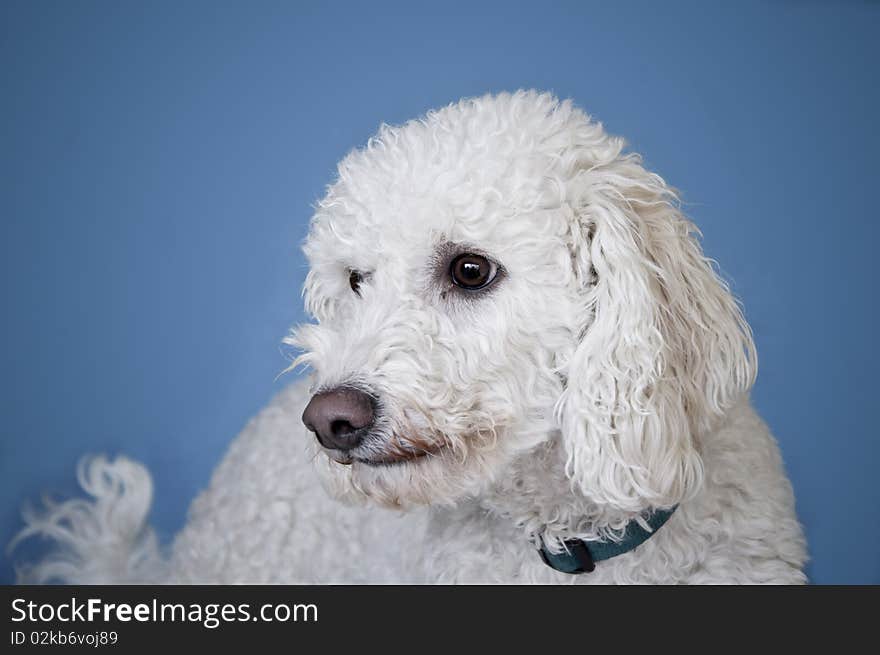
(340,417)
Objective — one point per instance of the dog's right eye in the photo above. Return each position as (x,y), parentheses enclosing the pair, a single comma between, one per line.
(354,281)
(472,272)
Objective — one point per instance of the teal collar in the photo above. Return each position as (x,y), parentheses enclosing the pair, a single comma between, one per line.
(581,556)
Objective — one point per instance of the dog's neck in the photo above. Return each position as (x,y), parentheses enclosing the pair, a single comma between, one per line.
(537,496)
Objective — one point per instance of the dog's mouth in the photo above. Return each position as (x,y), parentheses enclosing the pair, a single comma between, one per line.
(395,457)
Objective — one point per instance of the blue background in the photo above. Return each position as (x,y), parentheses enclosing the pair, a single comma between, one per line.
(159,162)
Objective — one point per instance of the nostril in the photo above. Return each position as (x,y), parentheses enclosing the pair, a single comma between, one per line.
(341,428)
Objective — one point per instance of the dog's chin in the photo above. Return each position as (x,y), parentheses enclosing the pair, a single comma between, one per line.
(401,480)
(419,471)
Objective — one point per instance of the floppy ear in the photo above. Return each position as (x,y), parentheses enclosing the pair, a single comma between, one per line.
(663,349)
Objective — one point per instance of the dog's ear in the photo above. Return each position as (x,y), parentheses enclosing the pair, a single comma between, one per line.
(663,349)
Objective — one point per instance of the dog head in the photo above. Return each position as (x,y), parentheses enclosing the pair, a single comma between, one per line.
(501,274)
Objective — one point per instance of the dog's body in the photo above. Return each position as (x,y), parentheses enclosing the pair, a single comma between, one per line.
(519,343)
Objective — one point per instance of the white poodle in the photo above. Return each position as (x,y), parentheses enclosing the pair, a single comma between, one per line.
(523,370)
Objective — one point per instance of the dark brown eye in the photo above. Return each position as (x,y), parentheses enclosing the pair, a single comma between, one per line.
(354,280)
(472,272)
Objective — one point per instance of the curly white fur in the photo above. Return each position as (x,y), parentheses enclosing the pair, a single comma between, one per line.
(604,374)
(103,540)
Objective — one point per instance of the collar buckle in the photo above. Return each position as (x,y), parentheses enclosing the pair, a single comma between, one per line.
(577,560)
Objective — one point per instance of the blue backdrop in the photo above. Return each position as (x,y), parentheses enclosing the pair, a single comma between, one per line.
(159,162)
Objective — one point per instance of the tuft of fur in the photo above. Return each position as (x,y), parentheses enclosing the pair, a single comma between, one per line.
(101,540)
(603,375)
